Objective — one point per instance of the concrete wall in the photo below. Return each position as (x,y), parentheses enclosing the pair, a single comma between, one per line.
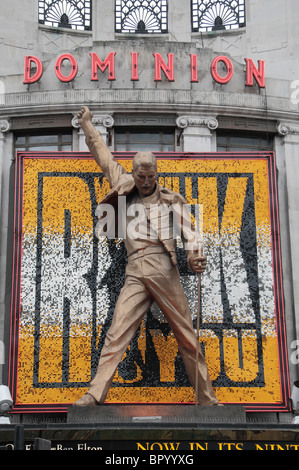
(271,34)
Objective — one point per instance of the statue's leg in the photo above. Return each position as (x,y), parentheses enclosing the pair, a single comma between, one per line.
(170,297)
(133,303)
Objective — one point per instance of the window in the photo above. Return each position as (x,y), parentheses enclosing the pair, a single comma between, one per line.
(144,140)
(44,142)
(141,16)
(73,14)
(217,15)
(244,142)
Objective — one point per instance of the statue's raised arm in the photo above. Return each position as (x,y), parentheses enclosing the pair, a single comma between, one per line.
(98,148)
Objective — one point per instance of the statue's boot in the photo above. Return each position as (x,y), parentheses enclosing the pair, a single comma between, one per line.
(86,400)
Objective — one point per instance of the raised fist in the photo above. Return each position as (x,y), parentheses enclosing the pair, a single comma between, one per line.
(84,115)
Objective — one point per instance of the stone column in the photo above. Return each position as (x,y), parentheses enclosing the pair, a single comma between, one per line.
(4,127)
(102,122)
(5,162)
(197,133)
(289,131)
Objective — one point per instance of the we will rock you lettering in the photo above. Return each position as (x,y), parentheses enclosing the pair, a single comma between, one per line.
(229,318)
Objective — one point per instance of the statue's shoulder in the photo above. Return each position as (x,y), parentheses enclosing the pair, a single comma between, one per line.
(124,186)
(167,196)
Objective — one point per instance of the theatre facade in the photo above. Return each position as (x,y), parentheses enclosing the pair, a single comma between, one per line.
(212,88)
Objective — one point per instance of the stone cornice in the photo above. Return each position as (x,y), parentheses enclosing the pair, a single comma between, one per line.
(217,102)
(197,121)
(5,125)
(104,120)
(285,128)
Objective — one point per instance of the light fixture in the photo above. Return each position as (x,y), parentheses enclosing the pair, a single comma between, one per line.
(5,404)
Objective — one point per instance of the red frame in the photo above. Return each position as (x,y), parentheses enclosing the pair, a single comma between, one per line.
(285,404)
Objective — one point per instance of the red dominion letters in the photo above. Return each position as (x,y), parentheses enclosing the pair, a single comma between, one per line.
(33,68)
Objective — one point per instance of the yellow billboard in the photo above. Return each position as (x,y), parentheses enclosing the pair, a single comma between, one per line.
(66,282)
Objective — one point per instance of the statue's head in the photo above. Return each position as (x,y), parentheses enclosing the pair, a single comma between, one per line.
(145,172)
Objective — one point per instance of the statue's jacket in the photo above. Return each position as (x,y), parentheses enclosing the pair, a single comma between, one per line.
(122,185)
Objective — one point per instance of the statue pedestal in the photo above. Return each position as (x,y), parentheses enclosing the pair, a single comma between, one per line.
(152,415)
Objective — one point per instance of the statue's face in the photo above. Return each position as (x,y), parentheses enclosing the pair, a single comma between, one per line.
(145,177)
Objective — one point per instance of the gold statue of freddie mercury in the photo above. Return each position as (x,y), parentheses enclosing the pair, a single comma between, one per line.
(151,273)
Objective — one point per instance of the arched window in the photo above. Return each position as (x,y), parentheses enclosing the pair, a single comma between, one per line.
(72,14)
(141,16)
(217,15)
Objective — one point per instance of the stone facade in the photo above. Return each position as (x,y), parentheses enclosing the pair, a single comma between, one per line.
(196,109)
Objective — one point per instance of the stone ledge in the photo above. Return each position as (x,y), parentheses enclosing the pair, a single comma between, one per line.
(157,414)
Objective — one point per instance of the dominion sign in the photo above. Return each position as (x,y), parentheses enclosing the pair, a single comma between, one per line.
(65,283)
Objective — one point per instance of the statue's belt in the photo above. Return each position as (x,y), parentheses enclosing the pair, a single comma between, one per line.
(148,250)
